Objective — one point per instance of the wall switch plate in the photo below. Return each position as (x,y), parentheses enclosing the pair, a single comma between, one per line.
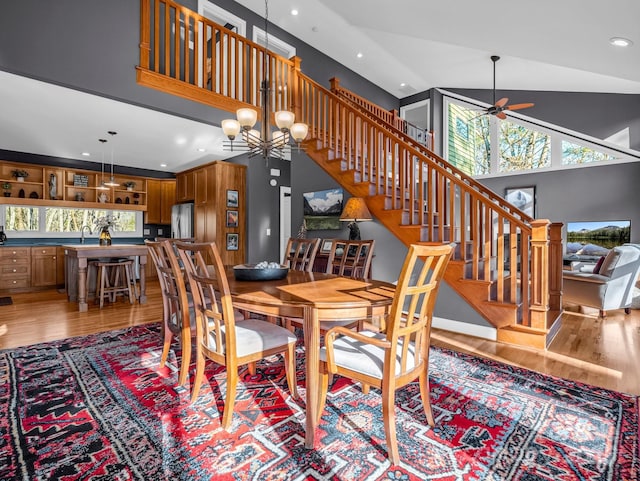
(275,172)
(146,231)
(159,231)
(268,231)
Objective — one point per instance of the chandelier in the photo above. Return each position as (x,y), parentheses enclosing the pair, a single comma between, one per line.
(264,142)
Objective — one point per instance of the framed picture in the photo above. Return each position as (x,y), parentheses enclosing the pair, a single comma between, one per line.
(322,209)
(232,218)
(326,245)
(524,198)
(232,242)
(232,198)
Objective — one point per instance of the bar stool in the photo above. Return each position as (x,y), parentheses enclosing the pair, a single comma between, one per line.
(93,273)
(116,278)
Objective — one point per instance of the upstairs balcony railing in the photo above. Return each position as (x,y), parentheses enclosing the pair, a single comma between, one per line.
(186,54)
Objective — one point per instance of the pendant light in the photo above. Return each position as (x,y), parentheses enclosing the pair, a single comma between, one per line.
(112,182)
(102,185)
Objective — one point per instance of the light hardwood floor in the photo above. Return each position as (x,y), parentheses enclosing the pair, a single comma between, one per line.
(602,352)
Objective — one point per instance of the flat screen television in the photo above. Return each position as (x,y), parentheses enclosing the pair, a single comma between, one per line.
(588,241)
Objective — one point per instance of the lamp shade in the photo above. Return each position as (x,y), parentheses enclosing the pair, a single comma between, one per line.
(299,132)
(247,118)
(284,119)
(231,128)
(355,210)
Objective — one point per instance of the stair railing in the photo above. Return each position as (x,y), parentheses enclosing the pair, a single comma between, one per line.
(186,54)
(390,117)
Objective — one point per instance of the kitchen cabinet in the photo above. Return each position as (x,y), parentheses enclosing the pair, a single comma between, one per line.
(161,195)
(15,267)
(168,198)
(220,214)
(44,265)
(185,186)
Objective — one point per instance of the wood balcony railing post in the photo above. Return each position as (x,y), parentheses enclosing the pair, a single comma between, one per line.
(295,92)
(334,82)
(555,266)
(145,33)
(539,282)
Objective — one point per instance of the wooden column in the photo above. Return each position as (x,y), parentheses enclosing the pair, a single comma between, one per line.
(539,283)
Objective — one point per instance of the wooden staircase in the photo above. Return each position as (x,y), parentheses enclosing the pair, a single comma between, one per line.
(507,266)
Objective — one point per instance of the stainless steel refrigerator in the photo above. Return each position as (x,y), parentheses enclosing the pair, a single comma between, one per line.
(182,221)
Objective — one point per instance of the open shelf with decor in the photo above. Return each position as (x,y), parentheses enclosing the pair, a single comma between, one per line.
(21,181)
(56,186)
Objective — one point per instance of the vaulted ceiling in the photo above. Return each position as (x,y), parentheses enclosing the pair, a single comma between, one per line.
(544,45)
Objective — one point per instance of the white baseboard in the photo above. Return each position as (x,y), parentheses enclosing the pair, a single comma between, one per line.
(483,332)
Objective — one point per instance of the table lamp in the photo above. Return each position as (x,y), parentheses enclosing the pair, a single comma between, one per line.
(355,211)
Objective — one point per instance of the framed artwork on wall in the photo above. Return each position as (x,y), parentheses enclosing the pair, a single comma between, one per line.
(326,245)
(322,209)
(232,242)
(524,198)
(232,218)
(232,198)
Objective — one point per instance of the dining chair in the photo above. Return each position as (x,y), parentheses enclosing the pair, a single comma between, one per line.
(349,258)
(176,314)
(300,254)
(395,358)
(218,336)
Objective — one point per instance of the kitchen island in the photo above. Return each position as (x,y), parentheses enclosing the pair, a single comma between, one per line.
(76,260)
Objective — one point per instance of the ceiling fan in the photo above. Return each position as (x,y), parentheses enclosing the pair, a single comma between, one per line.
(500,106)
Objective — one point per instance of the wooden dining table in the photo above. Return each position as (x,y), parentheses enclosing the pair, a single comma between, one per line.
(76,261)
(314,297)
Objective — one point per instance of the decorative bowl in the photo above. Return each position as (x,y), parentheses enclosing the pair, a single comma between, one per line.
(247,272)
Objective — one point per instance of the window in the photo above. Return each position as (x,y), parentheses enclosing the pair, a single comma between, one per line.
(468,140)
(522,148)
(21,221)
(480,144)
(574,154)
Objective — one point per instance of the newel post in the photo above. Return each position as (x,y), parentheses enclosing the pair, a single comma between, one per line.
(539,287)
(296,88)
(555,266)
(145,34)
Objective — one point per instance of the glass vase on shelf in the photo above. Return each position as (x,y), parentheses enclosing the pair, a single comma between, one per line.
(105,236)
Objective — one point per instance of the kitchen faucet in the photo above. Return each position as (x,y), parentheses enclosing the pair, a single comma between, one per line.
(82,233)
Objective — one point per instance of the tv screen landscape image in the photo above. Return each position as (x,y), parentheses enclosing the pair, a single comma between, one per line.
(588,241)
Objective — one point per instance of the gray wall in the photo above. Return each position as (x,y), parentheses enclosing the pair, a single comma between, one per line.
(596,193)
(65,46)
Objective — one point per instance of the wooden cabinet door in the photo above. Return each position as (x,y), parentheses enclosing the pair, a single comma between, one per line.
(201,186)
(185,186)
(168,199)
(154,200)
(43,266)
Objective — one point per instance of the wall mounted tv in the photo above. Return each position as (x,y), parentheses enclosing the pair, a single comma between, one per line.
(588,241)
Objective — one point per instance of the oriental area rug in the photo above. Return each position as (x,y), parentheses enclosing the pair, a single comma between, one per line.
(99,408)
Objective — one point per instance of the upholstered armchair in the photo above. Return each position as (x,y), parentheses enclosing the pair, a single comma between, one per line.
(609,285)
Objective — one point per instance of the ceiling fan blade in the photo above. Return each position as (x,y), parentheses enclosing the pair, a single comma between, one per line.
(502,102)
(501,115)
(519,106)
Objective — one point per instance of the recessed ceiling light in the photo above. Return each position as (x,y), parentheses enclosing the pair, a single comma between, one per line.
(163,165)
(294,12)
(86,154)
(202,150)
(403,84)
(620,42)
(359,55)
